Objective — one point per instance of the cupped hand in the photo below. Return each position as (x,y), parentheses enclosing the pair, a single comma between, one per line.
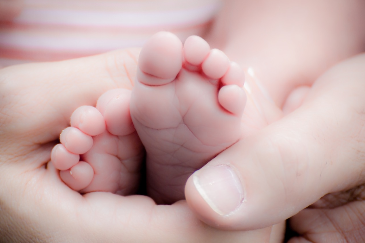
(317,150)
(35,205)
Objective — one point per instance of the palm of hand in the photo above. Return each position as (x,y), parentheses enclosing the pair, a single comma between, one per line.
(35,205)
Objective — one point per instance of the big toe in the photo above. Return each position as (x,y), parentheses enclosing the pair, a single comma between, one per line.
(160,59)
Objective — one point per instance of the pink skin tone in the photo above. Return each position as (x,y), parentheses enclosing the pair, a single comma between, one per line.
(187,105)
(112,150)
(289,44)
(36,205)
(279,81)
(165,104)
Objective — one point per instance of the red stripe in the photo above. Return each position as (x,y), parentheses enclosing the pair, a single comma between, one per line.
(77,28)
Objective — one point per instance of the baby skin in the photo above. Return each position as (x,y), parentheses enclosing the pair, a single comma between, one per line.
(186,107)
(101,150)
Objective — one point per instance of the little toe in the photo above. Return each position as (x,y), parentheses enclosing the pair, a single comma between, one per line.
(233,99)
(79,176)
(114,106)
(216,64)
(89,120)
(234,75)
(195,51)
(63,159)
(160,59)
(76,141)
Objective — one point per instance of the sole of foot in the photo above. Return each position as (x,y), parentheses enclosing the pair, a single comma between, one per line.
(186,106)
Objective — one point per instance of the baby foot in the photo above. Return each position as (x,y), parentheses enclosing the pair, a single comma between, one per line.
(100,151)
(186,106)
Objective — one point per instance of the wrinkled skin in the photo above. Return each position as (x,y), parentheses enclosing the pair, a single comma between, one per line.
(35,205)
(316,150)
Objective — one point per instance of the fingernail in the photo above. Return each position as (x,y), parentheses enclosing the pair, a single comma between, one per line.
(220,187)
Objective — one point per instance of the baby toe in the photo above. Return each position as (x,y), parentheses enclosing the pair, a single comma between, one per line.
(232,98)
(63,159)
(76,141)
(114,106)
(89,120)
(216,64)
(195,51)
(160,59)
(234,75)
(79,176)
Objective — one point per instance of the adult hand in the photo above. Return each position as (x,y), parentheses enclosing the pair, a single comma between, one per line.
(318,149)
(36,101)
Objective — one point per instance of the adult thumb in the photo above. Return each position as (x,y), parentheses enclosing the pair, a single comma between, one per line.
(289,165)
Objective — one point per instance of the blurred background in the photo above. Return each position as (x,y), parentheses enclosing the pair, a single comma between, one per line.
(53,30)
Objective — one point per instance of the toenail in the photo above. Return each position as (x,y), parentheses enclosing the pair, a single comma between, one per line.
(220,187)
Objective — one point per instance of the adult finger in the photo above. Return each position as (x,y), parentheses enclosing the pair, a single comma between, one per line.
(36,103)
(317,149)
(54,90)
(37,207)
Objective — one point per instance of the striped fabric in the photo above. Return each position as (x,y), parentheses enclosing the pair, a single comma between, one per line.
(51,30)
